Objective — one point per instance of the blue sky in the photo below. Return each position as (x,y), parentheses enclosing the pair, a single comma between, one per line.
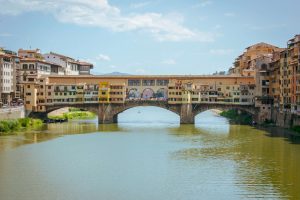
(148,37)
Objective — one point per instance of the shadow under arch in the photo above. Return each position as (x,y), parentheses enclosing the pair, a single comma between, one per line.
(93,107)
(218,108)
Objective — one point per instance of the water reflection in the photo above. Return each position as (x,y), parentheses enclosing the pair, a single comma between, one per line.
(130,160)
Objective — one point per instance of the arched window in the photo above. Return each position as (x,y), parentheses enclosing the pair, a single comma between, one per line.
(25,66)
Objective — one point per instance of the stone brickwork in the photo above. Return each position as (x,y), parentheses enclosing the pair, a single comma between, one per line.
(12,113)
(108,112)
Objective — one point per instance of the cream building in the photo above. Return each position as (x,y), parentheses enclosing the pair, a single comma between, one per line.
(9,64)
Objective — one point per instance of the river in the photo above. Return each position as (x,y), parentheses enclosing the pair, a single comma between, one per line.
(148,155)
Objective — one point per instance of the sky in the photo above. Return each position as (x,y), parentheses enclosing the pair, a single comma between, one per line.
(148,37)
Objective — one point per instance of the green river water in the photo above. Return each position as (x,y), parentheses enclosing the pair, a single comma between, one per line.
(148,155)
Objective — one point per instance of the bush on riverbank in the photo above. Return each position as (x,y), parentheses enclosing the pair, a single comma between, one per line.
(296,129)
(236,117)
(9,126)
(74,113)
(80,115)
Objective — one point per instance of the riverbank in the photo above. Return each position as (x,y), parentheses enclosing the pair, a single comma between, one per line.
(237,117)
(11,127)
(72,113)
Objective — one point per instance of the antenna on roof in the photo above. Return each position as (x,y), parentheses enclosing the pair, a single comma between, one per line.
(30,47)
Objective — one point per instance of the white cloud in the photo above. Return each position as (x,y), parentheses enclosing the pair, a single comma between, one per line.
(140,5)
(103,57)
(204,3)
(99,13)
(169,62)
(229,14)
(221,52)
(112,67)
(140,71)
(5,35)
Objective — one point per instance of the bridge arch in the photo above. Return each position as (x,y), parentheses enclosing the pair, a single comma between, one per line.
(84,107)
(148,114)
(50,108)
(250,110)
(108,113)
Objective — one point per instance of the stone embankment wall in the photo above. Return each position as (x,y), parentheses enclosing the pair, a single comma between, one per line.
(285,119)
(12,113)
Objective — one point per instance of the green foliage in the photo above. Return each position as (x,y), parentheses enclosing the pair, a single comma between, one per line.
(10,126)
(74,114)
(24,122)
(80,115)
(296,129)
(236,117)
(74,109)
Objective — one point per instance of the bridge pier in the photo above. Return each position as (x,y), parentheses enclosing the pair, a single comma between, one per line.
(106,114)
(186,114)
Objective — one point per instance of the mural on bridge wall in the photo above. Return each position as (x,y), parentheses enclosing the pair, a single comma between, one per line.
(147,93)
(162,94)
(133,94)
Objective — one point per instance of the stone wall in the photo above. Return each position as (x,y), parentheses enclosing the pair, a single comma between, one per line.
(12,113)
(283,119)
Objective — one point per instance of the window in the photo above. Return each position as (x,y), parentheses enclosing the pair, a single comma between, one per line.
(31,66)
(148,82)
(134,82)
(25,66)
(162,82)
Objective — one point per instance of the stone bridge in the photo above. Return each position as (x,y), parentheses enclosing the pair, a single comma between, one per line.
(108,112)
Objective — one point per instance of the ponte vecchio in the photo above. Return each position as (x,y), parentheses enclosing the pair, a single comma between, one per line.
(107,96)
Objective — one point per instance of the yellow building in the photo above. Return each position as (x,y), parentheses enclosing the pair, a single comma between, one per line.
(104,92)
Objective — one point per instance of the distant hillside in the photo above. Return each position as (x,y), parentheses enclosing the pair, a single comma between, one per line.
(117,74)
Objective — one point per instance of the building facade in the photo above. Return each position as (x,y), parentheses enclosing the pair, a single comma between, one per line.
(69,66)
(9,88)
(52,90)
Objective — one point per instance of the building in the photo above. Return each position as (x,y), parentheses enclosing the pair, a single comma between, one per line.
(57,90)
(293,62)
(9,88)
(243,65)
(85,68)
(32,54)
(69,66)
